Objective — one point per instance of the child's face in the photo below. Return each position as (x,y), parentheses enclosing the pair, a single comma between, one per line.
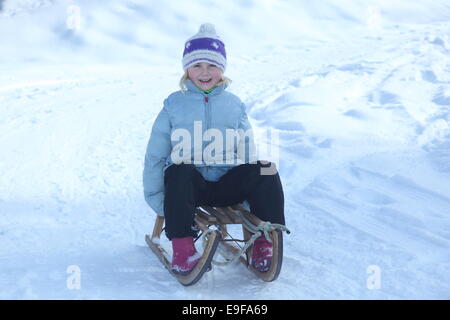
(205,75)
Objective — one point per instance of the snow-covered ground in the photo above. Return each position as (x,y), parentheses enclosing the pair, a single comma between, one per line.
(358,91)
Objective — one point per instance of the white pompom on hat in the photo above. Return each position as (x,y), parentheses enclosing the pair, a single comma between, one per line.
(205,46)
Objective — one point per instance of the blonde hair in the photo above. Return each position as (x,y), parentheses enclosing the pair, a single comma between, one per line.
(223,80)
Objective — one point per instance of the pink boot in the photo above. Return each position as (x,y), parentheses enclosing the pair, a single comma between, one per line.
(262,254)
(185,256)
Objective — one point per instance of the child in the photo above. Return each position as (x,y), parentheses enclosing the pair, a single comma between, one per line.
(174,184)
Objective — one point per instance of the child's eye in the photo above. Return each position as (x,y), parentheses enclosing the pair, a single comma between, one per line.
(213,65)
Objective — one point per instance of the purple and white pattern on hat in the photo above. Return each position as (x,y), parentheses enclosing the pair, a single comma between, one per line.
(205,46)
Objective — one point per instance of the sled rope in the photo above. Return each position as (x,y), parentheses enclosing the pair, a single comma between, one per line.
(262,229)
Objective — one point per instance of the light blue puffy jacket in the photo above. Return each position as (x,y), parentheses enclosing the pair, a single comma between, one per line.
(218,110)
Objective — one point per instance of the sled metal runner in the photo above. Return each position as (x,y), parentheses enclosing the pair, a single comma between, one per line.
(220,217)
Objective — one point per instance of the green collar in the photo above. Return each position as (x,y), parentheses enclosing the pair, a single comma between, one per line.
(208,91)
(193,88)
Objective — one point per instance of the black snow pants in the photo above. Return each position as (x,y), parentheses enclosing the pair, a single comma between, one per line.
(185,189)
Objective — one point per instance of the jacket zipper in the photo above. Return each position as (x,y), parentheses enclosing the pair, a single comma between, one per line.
(207,117)
(207,112)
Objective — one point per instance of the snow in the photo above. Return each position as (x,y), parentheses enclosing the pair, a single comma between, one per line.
(357,91)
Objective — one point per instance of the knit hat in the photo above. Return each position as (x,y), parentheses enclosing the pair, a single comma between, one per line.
(205,46)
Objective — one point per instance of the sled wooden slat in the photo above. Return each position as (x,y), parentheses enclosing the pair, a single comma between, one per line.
(230,214)
(239,207)
(157,229)
(206,217)
(202,223)
(221,217)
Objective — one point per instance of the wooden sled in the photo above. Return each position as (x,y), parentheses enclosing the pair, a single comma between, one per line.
(205,218)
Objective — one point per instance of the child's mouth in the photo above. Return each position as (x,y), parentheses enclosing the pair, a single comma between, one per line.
(205,81)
